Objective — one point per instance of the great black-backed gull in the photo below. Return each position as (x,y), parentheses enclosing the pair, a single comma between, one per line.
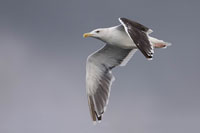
(122,42)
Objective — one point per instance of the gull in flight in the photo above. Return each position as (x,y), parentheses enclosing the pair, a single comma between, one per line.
(121,42)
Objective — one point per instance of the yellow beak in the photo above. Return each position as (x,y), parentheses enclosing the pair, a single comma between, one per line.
(87,35)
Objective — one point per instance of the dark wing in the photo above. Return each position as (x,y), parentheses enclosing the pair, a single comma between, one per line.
(99,77)
(139,34)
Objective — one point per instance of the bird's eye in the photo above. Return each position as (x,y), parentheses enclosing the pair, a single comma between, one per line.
(97,31)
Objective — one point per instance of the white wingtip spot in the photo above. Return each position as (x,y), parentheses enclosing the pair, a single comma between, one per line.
(94,123)
(149,58)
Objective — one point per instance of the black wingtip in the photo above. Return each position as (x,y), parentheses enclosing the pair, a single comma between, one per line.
(99,118)
(150,58)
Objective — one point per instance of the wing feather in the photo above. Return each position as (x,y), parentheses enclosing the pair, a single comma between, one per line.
(99,77)
(139,34)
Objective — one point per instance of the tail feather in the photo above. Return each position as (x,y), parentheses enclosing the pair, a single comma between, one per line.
(158,43)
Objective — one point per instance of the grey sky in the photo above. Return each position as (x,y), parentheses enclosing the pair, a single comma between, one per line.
(42,67)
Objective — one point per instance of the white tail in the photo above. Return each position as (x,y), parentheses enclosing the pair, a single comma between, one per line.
(158,43)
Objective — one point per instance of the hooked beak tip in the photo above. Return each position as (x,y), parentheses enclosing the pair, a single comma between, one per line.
(87,35)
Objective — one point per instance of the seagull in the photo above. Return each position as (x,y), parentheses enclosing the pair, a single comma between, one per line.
(121,42)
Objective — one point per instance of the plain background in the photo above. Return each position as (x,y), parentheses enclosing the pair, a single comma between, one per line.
(42,67)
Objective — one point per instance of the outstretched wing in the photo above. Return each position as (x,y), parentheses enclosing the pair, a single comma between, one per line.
(139,34)
(99,77)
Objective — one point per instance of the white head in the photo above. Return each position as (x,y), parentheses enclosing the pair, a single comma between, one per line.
(100,33)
